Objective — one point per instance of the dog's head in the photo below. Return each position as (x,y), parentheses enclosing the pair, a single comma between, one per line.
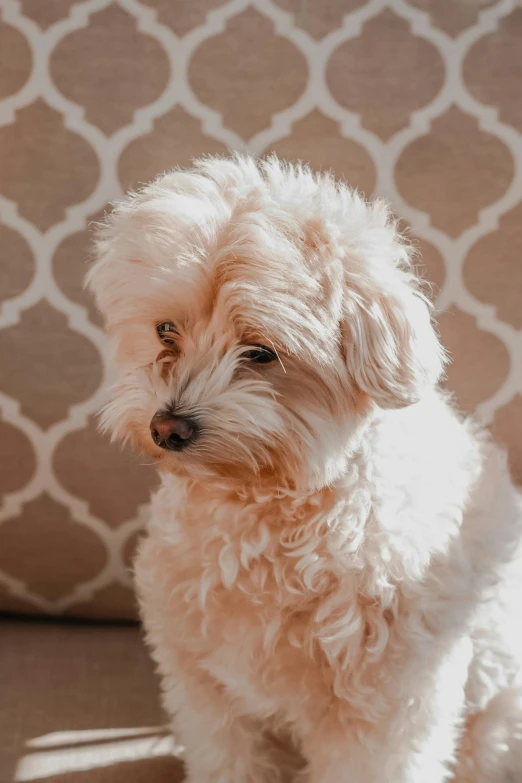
(259,314)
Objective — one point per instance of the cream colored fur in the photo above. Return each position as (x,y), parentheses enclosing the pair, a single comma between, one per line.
(336,561)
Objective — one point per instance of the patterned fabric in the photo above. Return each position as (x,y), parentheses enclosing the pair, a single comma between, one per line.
(419,101)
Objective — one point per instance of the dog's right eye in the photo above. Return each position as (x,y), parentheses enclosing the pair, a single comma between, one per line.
(260,354)
(166,332)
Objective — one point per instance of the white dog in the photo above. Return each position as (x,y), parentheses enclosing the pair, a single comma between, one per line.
(334,554)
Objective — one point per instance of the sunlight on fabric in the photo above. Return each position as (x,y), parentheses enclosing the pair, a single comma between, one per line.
(58,738)
(80,757)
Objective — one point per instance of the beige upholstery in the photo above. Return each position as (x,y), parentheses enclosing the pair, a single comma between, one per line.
(80,704)
(116,103)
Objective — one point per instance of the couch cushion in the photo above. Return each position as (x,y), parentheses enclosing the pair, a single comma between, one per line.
(70,502)
(80,703)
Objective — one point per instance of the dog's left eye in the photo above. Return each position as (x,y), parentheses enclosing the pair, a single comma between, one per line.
(260,354)
(166,332)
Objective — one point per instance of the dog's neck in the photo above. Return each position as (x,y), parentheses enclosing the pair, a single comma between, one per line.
(231,508)
(383,517)
(268,491)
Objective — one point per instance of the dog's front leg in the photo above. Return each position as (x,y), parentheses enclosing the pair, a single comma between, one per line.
(220,745)
(415,744)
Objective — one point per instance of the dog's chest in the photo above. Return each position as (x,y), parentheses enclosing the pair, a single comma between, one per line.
(274,645)
(251,635)
(257,652)
(243,668)
(243,610)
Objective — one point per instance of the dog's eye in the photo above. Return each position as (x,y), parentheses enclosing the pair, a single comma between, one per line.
(166,332)
(260,354)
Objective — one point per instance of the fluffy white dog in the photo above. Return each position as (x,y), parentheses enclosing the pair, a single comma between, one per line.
(334,554)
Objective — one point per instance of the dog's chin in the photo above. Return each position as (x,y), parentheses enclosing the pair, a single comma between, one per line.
(223,472)
(203,464)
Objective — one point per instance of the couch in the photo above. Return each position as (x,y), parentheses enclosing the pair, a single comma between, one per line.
(80,702)
(112,108)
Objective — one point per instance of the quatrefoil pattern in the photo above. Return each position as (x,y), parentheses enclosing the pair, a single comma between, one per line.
(418,101)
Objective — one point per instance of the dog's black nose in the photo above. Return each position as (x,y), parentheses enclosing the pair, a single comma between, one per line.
(173,433)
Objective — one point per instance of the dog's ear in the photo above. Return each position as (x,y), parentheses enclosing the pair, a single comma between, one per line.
(392,351)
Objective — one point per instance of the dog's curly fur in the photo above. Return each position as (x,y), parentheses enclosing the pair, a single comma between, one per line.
(337,557)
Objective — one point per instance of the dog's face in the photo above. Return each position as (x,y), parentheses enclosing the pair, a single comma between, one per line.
(258,315)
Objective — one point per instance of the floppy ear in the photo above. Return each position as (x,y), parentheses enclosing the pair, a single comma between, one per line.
(392,350)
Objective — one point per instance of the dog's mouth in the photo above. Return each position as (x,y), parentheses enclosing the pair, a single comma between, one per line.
(189,451)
